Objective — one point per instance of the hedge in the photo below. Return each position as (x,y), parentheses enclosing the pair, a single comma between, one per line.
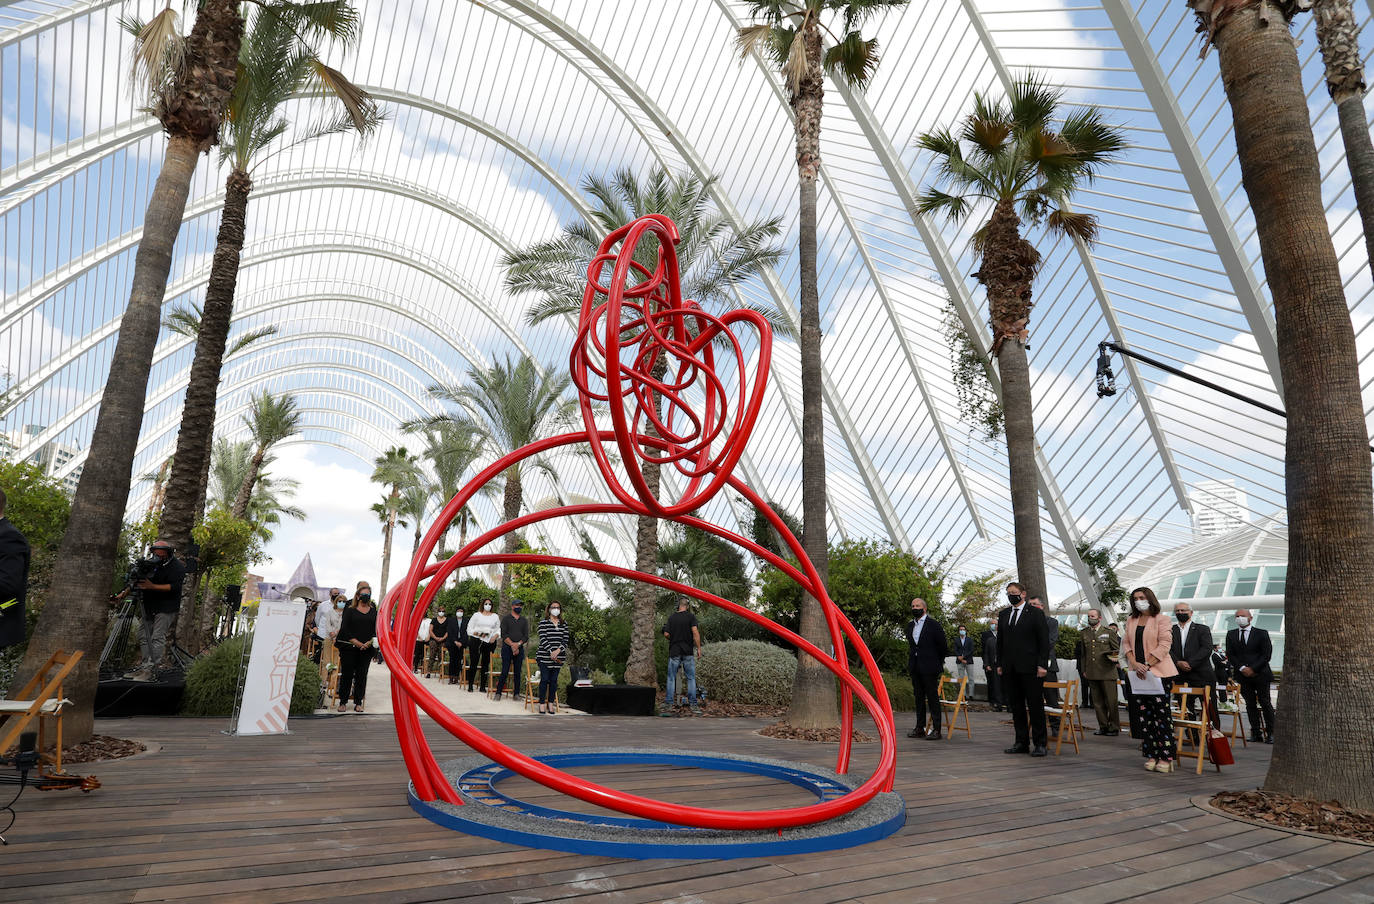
(212,682)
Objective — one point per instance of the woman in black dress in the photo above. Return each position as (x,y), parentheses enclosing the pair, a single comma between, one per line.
(357,631)
(439,630)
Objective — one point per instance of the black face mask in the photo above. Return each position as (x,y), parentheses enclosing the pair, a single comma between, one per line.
(1183,617)
(917,613)
(1014,599)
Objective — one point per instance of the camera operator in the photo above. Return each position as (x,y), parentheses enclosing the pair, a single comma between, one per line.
(159,580)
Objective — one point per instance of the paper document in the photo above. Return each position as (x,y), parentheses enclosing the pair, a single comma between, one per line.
(1143,687)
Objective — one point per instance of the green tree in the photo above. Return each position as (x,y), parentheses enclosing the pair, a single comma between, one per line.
(39,507)
(713,257)
(1101,562)
(270,502)
(511,405)
(1323,751)
(975,603)
(189,100)
(227,547)
(272,420)
(790,34)
(279,60)
(1009,155)
(873,583)
(397,470)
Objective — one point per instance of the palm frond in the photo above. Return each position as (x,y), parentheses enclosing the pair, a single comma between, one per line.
(749,38)
(1081,226)
(1032,102)
(184,319)
(356,102)
(853,59)
(247,338)
(954,207)
(159,51)
(795,63)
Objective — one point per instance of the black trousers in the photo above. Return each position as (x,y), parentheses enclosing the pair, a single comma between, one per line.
(418,659)
(995,695)
(509,656)
(353,666)
(1026,700)
(927,688)
(455,659)
(1255,693)
(479,660)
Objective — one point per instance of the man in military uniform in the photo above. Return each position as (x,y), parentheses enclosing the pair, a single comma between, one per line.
(1101,648)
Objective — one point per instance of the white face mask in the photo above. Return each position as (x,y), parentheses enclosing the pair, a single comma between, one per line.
(1243,621)
(458,614)
(486,608)
(441,615)
(554,612)
(1142,605)
(339,604)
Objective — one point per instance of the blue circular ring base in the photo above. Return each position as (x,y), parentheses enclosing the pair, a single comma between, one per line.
(488,812)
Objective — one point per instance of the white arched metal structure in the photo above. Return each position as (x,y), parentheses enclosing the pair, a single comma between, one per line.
(379,265)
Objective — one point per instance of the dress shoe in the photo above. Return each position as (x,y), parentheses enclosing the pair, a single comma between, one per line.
(1038,750)
(933,736)
(1100,732)
(1018,748)
(914,733)
(1256,738)
(1269,739)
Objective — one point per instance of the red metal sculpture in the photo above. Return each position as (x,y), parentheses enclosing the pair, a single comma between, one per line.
(634,323)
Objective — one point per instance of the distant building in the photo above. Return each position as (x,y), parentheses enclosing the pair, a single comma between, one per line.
(52,457)
(251,583)
(1219,507)
(301,585)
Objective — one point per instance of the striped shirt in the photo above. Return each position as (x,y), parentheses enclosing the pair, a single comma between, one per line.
(551,638)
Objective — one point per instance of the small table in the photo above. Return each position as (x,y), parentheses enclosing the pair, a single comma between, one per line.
(614,699)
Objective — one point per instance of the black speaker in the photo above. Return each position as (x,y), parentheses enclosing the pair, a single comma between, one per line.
(233,596)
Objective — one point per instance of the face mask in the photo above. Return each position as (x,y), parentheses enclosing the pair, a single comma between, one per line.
(441,615)
(963,633)
(517,610)
(917,613)
(1243,621)
(1183,617)
(486,607)
(1093,621)
(1014,598)
(339,604)
(555,612)
(1142,605)
(458,614)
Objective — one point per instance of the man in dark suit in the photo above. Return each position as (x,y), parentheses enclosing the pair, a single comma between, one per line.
(1248,650)
(990,668)
(926,652)
(1192,653)
(1023,652)
(14,579)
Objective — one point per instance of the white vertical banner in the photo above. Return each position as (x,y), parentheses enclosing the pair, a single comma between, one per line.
(271,668)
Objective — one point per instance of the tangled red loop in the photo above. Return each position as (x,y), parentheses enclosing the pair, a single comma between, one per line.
(649,355)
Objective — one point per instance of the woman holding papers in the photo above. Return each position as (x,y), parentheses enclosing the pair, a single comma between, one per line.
(1150,670)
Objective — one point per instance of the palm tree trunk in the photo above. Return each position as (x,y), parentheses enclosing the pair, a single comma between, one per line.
(88,547)
(640,666)
(1338,35)
(814,702)
(1014,368)
(250,480)
(1322,748)
(511,509)
(388,533)
(191,461)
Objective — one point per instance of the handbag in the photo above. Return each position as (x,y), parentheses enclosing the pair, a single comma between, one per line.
(1219,748)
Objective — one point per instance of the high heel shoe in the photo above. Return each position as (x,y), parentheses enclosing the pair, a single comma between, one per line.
(1151,765)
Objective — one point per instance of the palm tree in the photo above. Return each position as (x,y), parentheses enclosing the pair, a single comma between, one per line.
(414,504)
(1008,155)
(789,32)
(712,255)
(1338,37)
(513,405)
(396,469)
(269,504)
(450,450)
(177,519)
(273,419)
(188,98)
(278,61)
(1322,751)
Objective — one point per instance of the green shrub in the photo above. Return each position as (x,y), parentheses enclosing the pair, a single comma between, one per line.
(747,671)
(1067,643)
(213,681)
(899,691)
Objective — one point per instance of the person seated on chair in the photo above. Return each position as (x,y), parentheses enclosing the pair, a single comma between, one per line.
(161,600)
(926,652)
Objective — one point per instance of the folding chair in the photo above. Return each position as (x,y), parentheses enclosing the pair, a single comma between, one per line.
(531,683)
(1066,713)
(1237,725)
(1185,725)
(955,706)
(40,699)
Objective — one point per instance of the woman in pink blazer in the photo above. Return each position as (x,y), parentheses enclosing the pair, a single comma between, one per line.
(1145,649)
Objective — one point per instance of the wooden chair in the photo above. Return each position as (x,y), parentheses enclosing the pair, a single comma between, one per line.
(1237,725)
(531,684)
(40,699)
(1066,713)
(329,674)
(1122,704)
(1186,727)
(958,704)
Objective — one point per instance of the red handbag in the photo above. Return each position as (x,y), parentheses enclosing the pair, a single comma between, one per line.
(1219,749)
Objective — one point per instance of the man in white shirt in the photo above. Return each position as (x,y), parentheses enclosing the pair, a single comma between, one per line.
(421,644)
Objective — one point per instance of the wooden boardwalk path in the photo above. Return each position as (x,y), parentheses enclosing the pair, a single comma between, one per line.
(320,815)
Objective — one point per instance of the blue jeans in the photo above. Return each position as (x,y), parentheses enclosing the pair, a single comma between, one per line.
(689,665)
(548,683)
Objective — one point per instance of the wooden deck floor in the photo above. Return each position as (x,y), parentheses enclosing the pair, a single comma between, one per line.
(321,815)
